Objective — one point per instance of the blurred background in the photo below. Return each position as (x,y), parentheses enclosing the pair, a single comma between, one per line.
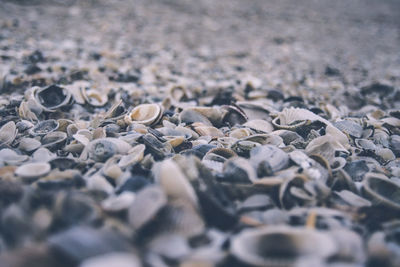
(353,39)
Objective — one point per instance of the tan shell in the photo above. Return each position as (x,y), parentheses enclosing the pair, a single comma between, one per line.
(7,133)
(146,114)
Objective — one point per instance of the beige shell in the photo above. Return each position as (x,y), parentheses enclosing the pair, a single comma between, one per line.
(173,181)
(146,114)
(134,155)
(33,170)
(94,97)
(7,133)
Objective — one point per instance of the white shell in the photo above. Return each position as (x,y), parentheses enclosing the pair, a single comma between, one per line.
(33,170)
(7,133)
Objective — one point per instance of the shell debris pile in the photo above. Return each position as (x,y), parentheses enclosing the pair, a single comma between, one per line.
(157,167)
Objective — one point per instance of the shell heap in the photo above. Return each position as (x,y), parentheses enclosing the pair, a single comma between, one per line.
(111,168)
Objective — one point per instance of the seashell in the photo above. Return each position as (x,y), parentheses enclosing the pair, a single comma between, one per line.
(179,217)
(42,155)
(94,97)
(63,163)
(148,202)
(385,154)
(8,133)
(350,128)
(239,170)
(98,183)
(289,197)
(10,157)
(158,149)
(33,170)
(119,202)
(76,90)
(350,246)
(134,155)
(54,140)
(382,191)
(394,144)
(206,115)
(233,115)
(365,144)
(104,148)
(117,111)
(326,146)
(25,112)
(259,125)
(204,130)
(146,114)
(173,181)
(24,125)
(120,259)
(178,93)
(349,198)
(52,97)
(356,169)
(281,246)
(338,163)
(276,158)
(243,147)
(29,144)
(44,127)
(256,109)
(240,133)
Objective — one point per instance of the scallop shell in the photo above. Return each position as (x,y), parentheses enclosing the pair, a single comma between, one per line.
(147,114)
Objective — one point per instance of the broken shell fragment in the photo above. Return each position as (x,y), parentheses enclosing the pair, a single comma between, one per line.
(52,97)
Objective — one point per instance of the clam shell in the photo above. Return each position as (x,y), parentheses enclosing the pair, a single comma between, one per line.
(382,191)
(280,246)
(33,170)
(259,125)
(275,157)
(134,156)
(94,97)
(10,157)
(148,202)
(173,181)
(29,144)
(118,259)
(44,127)
(52,97)
(104,148)
(8,133)
(54,140)
(146,114)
